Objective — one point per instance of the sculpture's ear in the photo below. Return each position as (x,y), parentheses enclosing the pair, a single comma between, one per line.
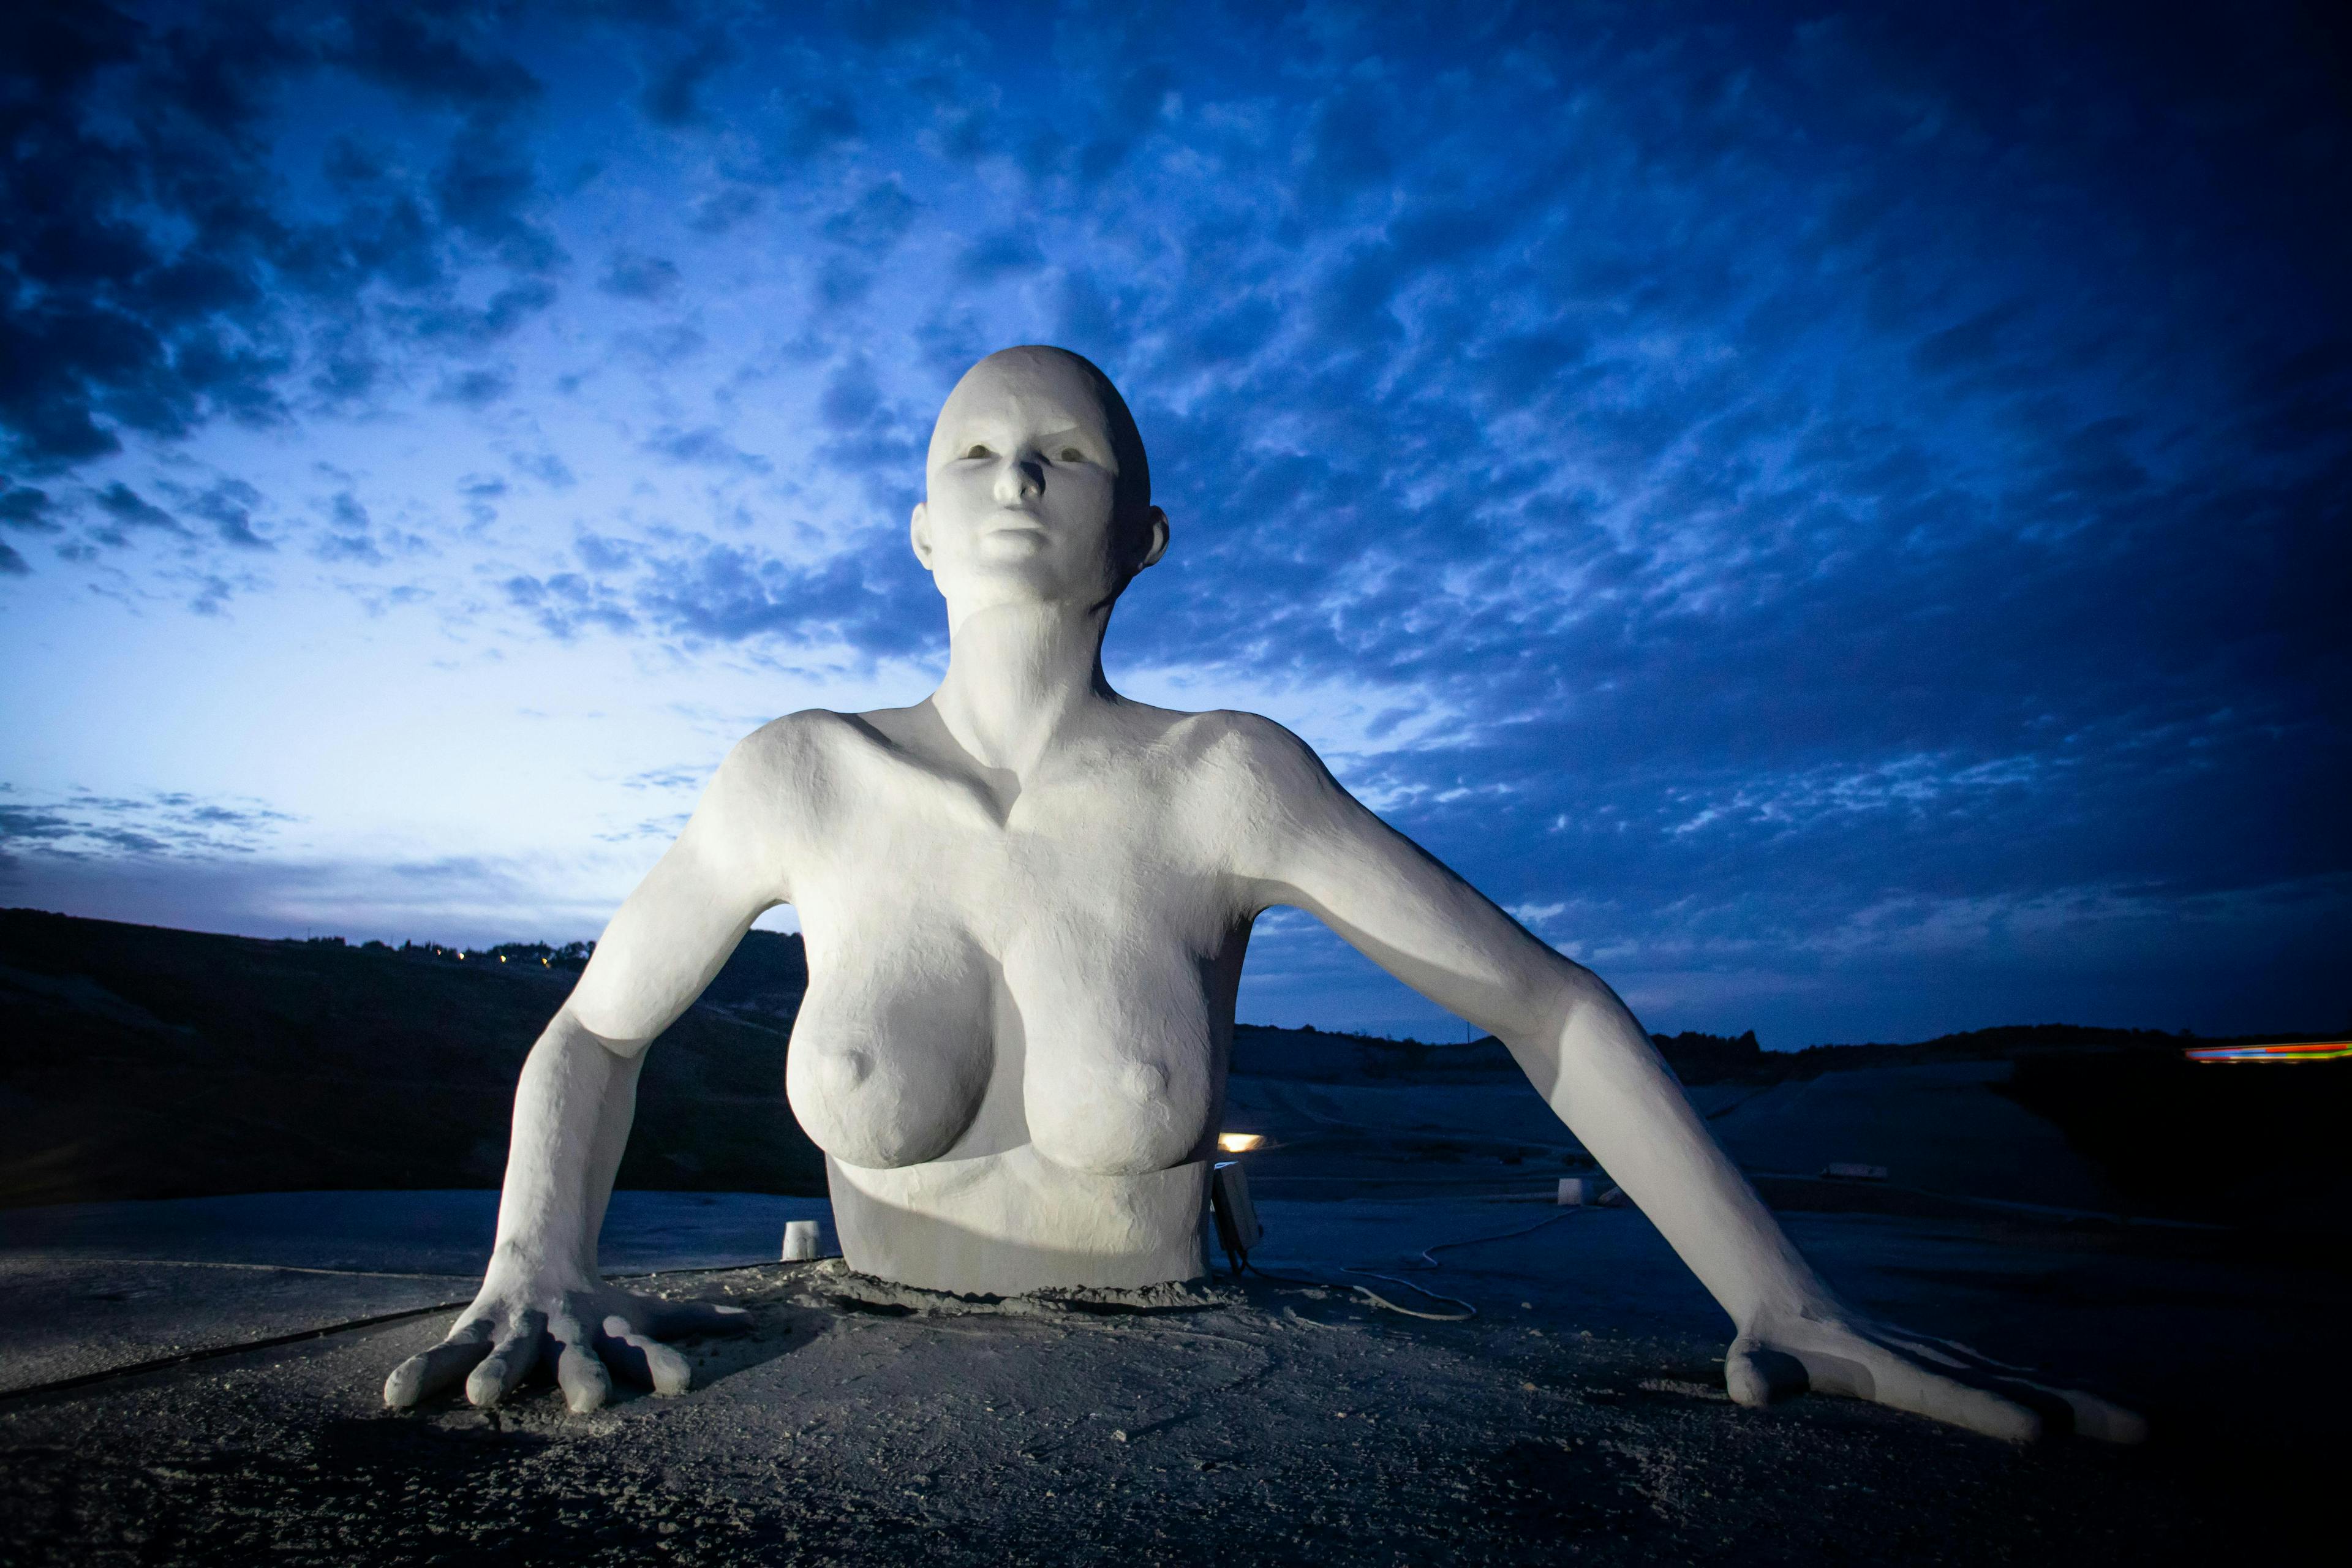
(918,535)
(1155,538)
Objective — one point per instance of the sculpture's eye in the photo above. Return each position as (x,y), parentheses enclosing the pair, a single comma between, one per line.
(979,451)
(1072,454)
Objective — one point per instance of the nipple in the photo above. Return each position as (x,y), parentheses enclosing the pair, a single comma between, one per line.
(844,1071)
(1145,1081)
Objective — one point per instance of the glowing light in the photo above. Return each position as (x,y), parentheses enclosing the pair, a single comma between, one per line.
(1239,1142)
(2309,1051)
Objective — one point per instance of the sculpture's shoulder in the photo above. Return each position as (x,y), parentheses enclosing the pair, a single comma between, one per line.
(791,762)
(1244,759)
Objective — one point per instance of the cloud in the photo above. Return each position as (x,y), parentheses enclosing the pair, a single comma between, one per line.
(159,257)
(703,447)
(476,388)
(714,592)
(1007,252)
(670,96)
(546,468)
(876,221)
(130,509)
(567,601)
(351,534)
(82,825)
(1770,493)
(477,900)
(635,277)
(434,54)
(230,505)
(27,508)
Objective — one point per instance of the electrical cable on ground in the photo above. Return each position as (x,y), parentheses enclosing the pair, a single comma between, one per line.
(1481,1240)
(1369,1294)
(1428,1254)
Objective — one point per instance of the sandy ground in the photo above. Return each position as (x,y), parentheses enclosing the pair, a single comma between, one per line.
(1579,1417)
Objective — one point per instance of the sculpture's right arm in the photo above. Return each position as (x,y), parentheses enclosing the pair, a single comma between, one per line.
(577,1097)
(1304,841)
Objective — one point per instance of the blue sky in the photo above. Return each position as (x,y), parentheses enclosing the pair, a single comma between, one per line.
(1836,517)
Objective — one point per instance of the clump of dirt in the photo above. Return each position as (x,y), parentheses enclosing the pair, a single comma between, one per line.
(832,1283)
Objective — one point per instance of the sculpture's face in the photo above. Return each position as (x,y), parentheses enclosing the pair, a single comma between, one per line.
(1022,487)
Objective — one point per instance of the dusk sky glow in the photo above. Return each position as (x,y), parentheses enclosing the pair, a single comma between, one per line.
(1834,516)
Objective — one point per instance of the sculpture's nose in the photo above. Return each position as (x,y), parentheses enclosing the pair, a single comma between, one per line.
(1019,479)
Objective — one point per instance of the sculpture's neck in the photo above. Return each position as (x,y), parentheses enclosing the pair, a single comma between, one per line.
(1017,677)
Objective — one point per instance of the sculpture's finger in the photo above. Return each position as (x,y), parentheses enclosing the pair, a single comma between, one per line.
(510,1361)
(577,1370)
(423,1375)
(1901,1385)
(2090,1416)
(2087,1414)
(1938,1353)
(667,1319)
(2103,1418)
(1953,1350)
(643,1359)
(1758,1375)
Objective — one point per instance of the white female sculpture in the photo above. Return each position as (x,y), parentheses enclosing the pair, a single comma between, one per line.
(1026,902)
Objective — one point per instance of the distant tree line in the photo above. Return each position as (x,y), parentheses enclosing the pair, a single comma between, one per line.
(573,955)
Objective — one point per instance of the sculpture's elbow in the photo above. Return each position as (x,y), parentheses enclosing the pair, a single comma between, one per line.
(1564,992)
(599,1022)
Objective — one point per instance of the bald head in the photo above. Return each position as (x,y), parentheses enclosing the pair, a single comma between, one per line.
(1038,373)
(1036,489)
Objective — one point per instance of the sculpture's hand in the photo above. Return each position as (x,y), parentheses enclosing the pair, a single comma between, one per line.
(1830,1351)
(501,1338)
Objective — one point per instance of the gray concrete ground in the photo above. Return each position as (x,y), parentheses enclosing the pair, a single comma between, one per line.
(94,1286)
(1580,1416)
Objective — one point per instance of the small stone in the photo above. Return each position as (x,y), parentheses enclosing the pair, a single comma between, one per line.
(1118,1436)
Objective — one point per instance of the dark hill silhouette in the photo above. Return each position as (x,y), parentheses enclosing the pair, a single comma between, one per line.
(140,1062)
(1323,1055)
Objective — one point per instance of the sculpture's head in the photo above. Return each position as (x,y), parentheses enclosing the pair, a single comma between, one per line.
(1036,488)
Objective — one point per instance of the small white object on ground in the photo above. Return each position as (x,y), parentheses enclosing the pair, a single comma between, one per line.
(800,1240)
(1575,1191)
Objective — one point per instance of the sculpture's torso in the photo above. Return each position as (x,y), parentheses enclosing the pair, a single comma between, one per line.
(1020,997)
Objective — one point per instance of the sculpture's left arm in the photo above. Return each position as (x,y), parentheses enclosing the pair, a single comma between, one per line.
(1304,841)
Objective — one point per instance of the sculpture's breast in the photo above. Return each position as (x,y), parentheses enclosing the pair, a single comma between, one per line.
(1118,1074)
(1060,958)
(1109,969)
(892,1051)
